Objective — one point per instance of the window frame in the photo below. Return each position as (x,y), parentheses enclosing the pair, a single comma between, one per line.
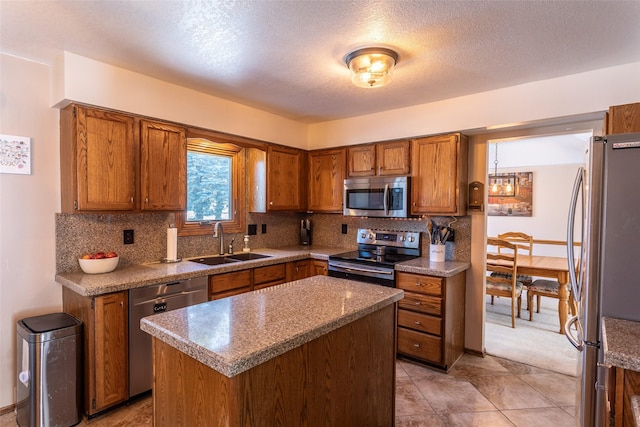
(205,144)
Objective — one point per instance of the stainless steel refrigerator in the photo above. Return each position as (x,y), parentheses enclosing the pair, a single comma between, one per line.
(608,279)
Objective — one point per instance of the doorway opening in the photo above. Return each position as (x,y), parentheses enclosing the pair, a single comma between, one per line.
(542,170)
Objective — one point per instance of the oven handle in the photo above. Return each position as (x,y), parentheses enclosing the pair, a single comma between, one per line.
(363,270)
(386,199)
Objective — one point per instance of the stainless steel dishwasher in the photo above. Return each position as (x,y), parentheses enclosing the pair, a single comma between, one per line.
(146,302)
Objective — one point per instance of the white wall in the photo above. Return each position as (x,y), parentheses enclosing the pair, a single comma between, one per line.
(27,207)
(28,203)
(552,187)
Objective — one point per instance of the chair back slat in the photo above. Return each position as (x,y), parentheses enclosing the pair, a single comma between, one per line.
(523,241)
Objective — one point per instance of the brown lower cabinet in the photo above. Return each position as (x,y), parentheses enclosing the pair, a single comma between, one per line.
(106,347)
(623,385)
(271,275)
(431,318)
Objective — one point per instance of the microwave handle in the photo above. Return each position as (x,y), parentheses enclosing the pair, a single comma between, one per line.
(386,199)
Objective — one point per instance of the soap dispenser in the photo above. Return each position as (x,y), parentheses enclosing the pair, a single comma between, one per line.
(246,244)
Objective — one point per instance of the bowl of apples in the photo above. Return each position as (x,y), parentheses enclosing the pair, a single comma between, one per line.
(99,262)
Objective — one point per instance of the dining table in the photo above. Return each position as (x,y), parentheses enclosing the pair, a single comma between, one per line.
(549,267)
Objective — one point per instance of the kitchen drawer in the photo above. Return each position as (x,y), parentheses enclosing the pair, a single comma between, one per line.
(269,284)
(228,281)
(420,322)
(268,274)
(230,293)
(421,284)
(421,303)
(419,345)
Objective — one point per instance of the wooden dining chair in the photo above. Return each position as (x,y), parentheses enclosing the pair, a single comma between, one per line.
(524,242)
(504,284)
(546,288)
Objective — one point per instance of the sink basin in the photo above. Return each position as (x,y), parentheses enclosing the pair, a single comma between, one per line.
(247,256)
(214,260)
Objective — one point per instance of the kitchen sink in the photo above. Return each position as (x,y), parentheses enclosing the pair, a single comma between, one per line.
(247,256)
(218,260)
(214,260)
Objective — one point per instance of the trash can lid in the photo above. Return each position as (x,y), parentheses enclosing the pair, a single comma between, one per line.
(50,322)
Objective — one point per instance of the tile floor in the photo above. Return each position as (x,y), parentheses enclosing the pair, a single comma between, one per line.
(478,391)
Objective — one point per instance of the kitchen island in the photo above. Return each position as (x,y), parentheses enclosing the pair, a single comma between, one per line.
(317,351)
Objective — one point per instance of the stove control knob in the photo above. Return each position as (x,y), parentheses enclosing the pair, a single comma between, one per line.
(371,236)
(363,235)
(403,238)
(411,238)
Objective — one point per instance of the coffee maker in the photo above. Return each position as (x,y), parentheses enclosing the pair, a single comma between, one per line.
(305,232)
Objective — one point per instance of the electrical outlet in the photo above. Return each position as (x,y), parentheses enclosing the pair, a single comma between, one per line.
(128,237)
(264,228)
(252,229)
(451,237)
(344,228)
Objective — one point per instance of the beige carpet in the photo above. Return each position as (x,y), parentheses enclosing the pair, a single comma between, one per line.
(535,343)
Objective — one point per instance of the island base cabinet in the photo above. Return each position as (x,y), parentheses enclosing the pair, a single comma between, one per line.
(343,378)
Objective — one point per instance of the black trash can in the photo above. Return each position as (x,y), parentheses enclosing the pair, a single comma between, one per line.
(49,371)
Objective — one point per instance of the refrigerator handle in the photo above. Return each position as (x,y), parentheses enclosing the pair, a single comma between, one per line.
(570,224)
(567,332)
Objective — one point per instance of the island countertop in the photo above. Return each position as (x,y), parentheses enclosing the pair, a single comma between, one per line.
(234,334)
(621,343)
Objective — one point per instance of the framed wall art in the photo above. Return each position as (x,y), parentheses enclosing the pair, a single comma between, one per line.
(15,154)
(511,194)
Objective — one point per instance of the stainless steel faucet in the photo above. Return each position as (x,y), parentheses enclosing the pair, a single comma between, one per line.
(218,231)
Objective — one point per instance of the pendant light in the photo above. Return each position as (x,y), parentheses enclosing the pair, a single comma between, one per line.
(501,185)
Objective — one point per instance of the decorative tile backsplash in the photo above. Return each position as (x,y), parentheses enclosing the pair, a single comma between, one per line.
(77,234)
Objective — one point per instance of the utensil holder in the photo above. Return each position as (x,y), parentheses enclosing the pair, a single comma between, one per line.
(436,253)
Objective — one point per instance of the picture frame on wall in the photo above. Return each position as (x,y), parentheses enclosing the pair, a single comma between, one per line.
(15,154)
(514,201)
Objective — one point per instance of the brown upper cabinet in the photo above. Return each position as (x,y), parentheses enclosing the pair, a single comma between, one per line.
(439,178)
(163,168)
(624,119)
(286,179)
(114,162)
(99,153)
(383,158)
(326,180)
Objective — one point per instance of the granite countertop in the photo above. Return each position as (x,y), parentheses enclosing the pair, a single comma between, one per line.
(621,343)
(136,276)
(234,334)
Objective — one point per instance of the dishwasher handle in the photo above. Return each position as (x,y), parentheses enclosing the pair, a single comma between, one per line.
(167,297)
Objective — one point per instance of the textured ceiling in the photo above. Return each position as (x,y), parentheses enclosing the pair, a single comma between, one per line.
(287,57)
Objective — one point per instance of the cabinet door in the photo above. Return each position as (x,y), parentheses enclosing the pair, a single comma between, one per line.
(106,160)
(439,175)
(229,281)
(361,160)
(297,270)
(393,158)
(163,168)
(319,267)
(284,184)
(624,119)
(111,351)
(326,180)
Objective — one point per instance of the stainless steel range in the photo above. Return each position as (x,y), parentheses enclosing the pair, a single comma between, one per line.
(378,252)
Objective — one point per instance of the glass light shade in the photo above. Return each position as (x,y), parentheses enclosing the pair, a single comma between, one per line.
(371,67)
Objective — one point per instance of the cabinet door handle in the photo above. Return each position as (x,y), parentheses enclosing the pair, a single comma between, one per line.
(146,200)
(417,303)
(417,322)
(131,200)
(416,345)
(419,283)
(271,203)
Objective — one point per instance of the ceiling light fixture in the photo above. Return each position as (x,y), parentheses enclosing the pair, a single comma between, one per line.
(502,185)
(371,66)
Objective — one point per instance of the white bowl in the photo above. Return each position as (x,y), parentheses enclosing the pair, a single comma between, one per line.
(96,266)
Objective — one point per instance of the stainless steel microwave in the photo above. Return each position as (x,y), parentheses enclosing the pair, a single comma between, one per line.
(379,196)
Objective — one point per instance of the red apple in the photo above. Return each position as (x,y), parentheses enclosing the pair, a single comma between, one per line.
(98,255)
(111,255)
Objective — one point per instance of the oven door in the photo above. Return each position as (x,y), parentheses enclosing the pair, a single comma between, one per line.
(370,273)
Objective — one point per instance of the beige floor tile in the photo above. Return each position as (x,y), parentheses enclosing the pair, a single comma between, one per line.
(478,419)
(560,389)
(416,371)
(519,368)
(420,421)
(452,395)
(409,400)
(509,392)
(571,410)
(543,417)
(476,366)
(400,372)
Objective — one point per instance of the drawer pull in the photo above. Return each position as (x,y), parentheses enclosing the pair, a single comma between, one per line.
(416,345)
(418,283)
(417,303)
(417,322)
